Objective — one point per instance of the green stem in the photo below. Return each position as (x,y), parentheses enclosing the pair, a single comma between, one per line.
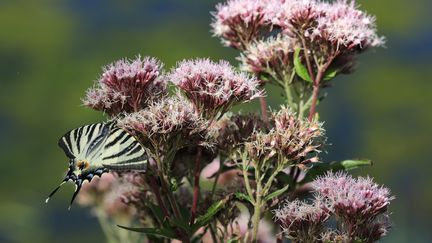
(216,181)
(305,106)
(109,234)
(196,186)
(306,54)
(246,179)
(257,207)
(270,181)
(288,90)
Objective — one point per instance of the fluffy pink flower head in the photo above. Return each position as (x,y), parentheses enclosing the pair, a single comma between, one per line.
(292,140)
(104,195)
(302,222)
(295,16)
(347,26)
(238,22)
(353,198)
(127,85)
(213,87)
(360,203)
(339,23)
(232,131)
(164,122)
(270,58)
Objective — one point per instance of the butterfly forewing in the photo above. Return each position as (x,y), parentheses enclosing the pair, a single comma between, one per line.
(104,144)
(122,151)
(97,148)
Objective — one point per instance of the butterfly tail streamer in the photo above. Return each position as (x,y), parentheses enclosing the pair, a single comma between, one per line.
(77,189)
(54,191)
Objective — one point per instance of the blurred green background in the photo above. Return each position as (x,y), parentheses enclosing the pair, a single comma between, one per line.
(51,51)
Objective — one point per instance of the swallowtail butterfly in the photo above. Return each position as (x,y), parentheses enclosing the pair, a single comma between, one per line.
(97,148)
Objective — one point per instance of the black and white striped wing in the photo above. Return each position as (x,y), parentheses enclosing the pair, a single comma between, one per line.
(104,145)
(122,151)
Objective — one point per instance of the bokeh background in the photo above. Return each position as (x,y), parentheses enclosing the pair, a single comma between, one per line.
(52,50)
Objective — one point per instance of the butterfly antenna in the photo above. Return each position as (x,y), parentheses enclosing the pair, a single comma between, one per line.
(54,191)
(77,189)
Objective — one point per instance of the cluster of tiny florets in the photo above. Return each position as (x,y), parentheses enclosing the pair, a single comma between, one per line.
(302,221)
(239,22)
(348,27)
(105,193)
(138,195)
(272,56)
(339,23)
(162,121)
(294,16)
(358,205)
(127,86)
(233,130)
(213,87)
(358,202)
(294,138)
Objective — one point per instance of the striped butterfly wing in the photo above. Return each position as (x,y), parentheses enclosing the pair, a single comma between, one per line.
(122,151)
(104,145)
(85,141)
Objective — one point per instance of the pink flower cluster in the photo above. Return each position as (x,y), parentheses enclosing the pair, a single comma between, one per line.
(292,140)
(272,57)
(339,22)
(358,205)
(353,198)
(301,220)
(239,22)
(213,87)
(105,194)
(127,85)
(232,131)
(165,120)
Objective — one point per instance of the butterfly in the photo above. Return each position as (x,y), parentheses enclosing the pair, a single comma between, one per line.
(96,149)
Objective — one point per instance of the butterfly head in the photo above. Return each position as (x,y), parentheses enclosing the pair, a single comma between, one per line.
(79,172)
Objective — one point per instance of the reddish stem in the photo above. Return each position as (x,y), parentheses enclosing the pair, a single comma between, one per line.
(315,95)
(308,62)
(159,200)
(196,185)
(316,88)
(263,104)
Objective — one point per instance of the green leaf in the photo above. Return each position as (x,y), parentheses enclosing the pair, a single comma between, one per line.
(157,212)
(233,241)
(300,69)
(321,168)
(241,196)
(183,222)
(276,193)
(330,73)
(211,211)
(351,164)
(167,233)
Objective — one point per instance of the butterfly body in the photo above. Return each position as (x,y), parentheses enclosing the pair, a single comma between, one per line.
(97,148)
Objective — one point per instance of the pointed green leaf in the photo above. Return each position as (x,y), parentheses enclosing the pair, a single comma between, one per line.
(211,211)
(157,212)
(300,69)
(167,233)
(241,196)
(351,164)
(276,193)
(330,73)
(321,168)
